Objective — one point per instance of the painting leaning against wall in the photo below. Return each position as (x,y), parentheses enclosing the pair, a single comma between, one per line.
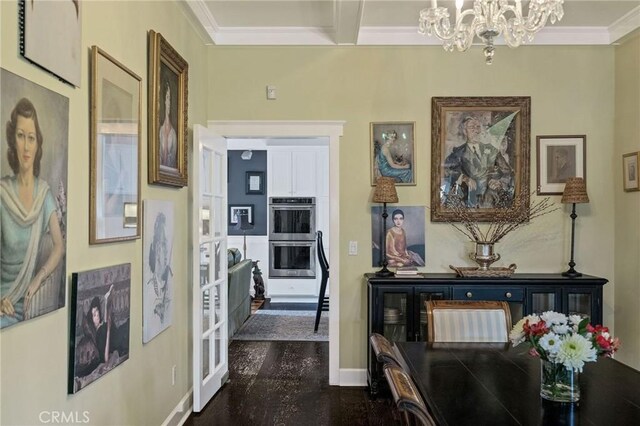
(33,228)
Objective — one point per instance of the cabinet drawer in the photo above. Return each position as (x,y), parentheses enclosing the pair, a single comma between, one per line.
(501,293)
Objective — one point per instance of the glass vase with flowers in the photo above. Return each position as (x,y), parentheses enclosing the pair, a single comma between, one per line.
(564,343)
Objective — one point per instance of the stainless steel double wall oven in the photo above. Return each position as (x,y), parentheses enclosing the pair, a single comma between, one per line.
(292,233)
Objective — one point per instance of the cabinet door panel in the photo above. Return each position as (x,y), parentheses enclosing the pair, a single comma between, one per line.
(280,175)
(304,173)
(420,319)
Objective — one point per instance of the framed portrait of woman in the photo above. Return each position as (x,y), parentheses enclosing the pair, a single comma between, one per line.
(168,93)
(393,152)
(33,199)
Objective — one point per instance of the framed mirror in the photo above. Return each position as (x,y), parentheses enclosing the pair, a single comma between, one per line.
(115,150)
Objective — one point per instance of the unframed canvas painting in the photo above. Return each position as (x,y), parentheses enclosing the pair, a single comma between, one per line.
(100,322)
(157,275)
(404,239)
(33,229)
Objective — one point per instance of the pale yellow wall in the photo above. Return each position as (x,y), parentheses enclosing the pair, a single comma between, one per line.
(35,353)
(572,92)
(627,213)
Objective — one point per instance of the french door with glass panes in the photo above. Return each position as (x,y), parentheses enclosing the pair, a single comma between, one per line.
(209,263)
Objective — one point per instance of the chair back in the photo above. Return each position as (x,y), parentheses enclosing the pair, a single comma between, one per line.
(468,321)
(383,349)
(322,257)
(406,396)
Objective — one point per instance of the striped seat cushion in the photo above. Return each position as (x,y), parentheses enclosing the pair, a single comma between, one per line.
(470,325)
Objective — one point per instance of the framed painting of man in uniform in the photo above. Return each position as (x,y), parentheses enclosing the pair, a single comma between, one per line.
(559,158)
(480,156)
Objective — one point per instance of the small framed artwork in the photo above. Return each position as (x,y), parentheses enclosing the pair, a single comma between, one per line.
(630,171)
(237,211)
(50,35)
(115,150)
(100,323)
(479,156)
(255,183)
(393,152)
(168,84)
(559,158)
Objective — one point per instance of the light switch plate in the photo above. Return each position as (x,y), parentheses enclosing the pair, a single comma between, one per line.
(353,248)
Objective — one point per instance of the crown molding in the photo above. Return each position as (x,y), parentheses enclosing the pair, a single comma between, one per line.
(276,36)
(625,25)
(203,15)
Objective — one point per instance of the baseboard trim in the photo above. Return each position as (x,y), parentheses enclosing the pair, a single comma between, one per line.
(353,377)
(181,412)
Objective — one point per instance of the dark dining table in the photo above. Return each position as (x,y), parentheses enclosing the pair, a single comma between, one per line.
(496,384)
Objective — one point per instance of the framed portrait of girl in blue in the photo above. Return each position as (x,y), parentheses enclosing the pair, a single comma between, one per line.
(33,192)
(393,152)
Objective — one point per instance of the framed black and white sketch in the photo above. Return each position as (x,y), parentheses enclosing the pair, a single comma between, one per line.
(559,158)
(115,151)
(100,323)
(237,211)
(255,183)
(157,273)
(50,36)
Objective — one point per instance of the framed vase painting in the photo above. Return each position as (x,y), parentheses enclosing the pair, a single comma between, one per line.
(168,94)
(480,156)
(115,150)
(393,152)
(559,158)
(630,172)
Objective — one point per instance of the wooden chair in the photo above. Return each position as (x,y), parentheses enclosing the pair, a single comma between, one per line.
(467,321)
(406,396)
(323,303)
(384,351)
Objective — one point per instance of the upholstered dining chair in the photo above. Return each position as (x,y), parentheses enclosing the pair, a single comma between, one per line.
(467,321)
(383,349)
(407,398)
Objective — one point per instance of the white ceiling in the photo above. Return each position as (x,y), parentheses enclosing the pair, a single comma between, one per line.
(383,22)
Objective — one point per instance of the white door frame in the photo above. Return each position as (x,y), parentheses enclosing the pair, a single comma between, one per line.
(332,130)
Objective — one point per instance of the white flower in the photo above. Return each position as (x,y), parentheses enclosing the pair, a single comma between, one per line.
(516,335)
(551,317)
(560,329)
(574,351)
(550,342)
(575,321)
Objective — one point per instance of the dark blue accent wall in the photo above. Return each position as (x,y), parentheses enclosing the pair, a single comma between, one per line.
(236,188)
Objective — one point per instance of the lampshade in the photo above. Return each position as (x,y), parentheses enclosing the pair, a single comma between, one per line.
(244,222)
(385,191)
(575,191)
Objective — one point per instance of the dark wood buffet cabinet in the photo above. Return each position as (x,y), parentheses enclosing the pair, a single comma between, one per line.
(396,304)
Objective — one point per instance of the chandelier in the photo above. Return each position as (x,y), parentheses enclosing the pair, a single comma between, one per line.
(488,19)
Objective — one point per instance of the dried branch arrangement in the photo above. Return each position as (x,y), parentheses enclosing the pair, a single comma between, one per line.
(508,216)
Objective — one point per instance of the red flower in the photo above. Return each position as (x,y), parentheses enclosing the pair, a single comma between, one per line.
(538,329)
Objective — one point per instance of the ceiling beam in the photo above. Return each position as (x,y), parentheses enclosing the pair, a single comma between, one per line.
(347,20)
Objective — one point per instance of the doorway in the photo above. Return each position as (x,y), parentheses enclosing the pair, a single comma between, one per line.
(301,130)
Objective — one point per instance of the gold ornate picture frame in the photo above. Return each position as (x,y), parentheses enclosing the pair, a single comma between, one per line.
(480,148)
(168,95)
(116,95)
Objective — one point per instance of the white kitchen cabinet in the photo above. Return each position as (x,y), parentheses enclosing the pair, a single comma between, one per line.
(294,172)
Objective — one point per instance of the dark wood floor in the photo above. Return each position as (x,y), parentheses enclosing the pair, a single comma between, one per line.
(286,383)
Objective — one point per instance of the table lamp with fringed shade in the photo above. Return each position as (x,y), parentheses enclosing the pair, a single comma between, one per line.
(575,192)
(384,192)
